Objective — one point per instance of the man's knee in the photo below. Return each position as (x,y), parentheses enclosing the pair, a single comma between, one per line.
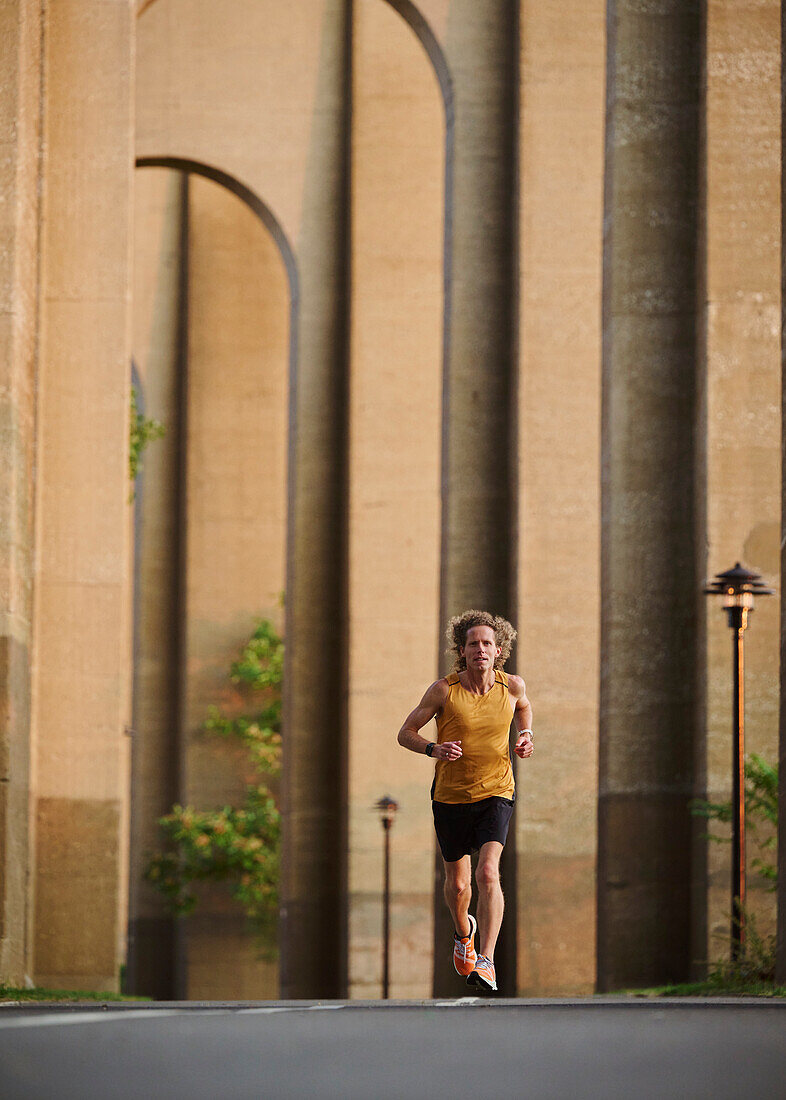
(487,874)
(456,885)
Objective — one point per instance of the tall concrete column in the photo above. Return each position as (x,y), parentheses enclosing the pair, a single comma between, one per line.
(81,681)
(479,526)
(313,935)
(479,520)
(160,345)
(650,575)
(20,61)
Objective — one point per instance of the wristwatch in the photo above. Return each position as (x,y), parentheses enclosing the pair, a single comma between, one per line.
(430,748)
(531,734)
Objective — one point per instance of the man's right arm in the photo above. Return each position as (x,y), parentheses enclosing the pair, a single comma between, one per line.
(428,707)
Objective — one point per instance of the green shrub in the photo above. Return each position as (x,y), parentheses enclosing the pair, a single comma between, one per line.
(239,845)
(143,430)
(761,813)
(754,969)
(754,966)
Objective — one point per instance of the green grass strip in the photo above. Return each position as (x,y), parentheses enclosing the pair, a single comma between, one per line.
(11,993)
(712,989)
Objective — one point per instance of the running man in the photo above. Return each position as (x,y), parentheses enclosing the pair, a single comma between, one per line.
(473,790)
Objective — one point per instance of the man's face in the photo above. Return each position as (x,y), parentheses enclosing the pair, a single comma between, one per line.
(481,649)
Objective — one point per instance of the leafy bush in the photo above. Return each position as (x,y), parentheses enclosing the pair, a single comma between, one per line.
(143,431)
(761,811)
(754,966)
(754,969)
(236,845)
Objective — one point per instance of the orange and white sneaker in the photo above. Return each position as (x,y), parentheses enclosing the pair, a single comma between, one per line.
(464,957)
(484,975)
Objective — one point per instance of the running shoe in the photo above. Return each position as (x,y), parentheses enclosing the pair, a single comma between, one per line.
(464,957)
(483,976)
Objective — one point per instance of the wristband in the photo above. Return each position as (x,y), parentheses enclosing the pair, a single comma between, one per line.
(430,748)
(531,734)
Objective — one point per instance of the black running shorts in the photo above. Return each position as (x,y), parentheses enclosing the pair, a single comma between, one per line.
(463,827)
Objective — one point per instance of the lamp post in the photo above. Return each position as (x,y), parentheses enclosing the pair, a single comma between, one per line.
(738,586)
(387,809)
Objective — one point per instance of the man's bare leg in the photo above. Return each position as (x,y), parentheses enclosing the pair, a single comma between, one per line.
(491,903)
(458,892)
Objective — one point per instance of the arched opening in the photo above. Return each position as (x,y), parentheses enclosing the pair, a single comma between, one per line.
(215,300)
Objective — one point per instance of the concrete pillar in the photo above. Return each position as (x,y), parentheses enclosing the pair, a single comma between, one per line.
(562,109)
(479,517)
(743,402)
(160,318)
(80,673)
(20,63)
(314,782)
(398,170)
(650,570)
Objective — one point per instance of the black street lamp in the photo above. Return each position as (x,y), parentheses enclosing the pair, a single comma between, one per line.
(738,587)
(387,808)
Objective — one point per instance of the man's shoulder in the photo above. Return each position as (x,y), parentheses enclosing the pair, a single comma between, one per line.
(516,685)
(439,689)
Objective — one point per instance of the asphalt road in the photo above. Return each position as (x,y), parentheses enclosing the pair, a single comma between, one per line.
(566,1050)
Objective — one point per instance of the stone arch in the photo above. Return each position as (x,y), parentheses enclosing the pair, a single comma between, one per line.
(249,197)
(216,330)
(421,28)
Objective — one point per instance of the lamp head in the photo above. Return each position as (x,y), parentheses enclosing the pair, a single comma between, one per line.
(387,807)
(738,587)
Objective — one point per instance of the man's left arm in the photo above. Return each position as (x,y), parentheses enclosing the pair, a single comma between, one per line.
(522,717)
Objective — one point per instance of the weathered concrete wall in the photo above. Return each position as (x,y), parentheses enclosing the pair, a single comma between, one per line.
(81,664)
(203,93)
(20,62)
(223,961)
(562,106)
(743,399)
(398,169)
(650,583)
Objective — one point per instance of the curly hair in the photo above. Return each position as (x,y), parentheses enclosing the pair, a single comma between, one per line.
(459,627)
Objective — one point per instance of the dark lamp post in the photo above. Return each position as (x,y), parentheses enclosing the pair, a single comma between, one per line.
(738,587)
(387,810)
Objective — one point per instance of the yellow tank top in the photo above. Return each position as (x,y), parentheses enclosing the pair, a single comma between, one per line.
(482,724)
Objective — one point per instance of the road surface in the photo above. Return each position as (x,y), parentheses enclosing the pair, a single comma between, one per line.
(565,1050)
